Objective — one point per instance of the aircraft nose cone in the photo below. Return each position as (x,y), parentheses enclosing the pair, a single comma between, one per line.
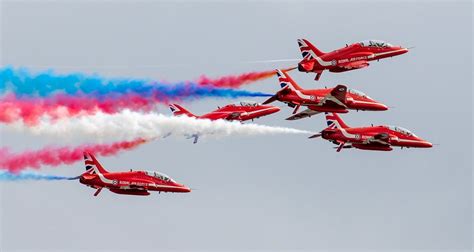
(397,50)
(275,109)
(375,106)
(400,50)
(266,110)
(426,144)
(186,189)
(381,106)
(420,143)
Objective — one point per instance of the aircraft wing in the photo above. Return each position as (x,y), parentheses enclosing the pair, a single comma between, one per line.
(336,98)
(376,142)
(232,116)
(354,64)
(226,115)
(303,114)
(381,138)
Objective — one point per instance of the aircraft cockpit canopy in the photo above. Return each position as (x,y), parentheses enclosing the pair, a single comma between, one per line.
(375,43)
(401,130)
(249,104)
(357,92)
(159,175)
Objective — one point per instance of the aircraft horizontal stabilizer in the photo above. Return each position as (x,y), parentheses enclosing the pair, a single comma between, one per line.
(270,100)
(315,135)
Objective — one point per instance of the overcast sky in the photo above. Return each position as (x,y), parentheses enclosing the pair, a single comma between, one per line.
(265,192)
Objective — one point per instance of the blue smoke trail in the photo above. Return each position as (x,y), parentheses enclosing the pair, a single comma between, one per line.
(8,176)
(23,83)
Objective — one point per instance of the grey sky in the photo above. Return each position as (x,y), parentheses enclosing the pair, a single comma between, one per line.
(266,192)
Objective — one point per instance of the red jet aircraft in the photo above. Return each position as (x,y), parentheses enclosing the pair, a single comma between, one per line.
(351,57)
(379,138)
(242,112)
(131,183)
(338,99)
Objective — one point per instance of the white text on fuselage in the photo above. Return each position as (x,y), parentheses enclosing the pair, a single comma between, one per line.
(133,183)
(352,59)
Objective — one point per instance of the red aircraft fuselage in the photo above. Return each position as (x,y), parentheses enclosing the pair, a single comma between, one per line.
(131,183)
(380,138)
(339,99)
(354,56)
(243,112)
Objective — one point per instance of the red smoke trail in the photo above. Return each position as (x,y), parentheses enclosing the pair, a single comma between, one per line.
(54,156)
(235,81)
(31,109)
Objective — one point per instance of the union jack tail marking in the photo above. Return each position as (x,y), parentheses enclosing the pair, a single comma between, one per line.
(286,80)
(92,165)
(334,121)
(179,110)
(308,50)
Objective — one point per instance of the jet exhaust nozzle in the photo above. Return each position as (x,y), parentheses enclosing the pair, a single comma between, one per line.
(305,66)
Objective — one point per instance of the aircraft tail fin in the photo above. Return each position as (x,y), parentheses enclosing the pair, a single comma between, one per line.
(92,165)
(308,50)
(286,80)
(179,110)
(334,121)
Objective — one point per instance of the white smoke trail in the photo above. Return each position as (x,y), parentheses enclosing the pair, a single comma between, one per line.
(129,125)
